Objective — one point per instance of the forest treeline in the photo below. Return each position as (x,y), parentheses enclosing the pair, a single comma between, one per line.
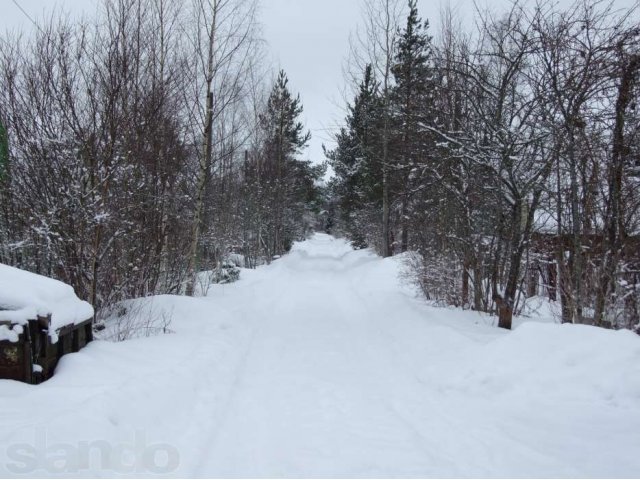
(505,158)
(144,145)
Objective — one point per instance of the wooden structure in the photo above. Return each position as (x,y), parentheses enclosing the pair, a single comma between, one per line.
(41,319)
(34,356)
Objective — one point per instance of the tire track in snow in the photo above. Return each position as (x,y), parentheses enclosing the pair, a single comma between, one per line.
(357,406)
(219,410)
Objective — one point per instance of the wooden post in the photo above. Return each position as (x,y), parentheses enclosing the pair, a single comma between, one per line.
(552,285)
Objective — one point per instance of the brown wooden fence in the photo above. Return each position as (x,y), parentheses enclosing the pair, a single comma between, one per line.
(33,358)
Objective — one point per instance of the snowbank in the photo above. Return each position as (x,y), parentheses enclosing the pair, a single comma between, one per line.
(541,309)
(25,296)
(558,363)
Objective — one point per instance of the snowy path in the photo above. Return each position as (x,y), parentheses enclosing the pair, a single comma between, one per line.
(315,393)
(323,364)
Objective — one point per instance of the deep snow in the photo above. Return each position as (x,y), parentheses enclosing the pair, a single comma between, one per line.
(324,364)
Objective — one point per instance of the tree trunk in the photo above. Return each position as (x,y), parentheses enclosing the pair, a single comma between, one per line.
(404,235)
(205,161)
(95,266)
(631,313)
(532,280)
(465,282)
(614,215)
(505,312)
(575,258)
(552,273)
(386,248)
(477,286)
(203,174)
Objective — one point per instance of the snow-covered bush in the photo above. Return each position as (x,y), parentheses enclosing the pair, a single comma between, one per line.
(437,277)
(133,319)
(237,259)
(227,272)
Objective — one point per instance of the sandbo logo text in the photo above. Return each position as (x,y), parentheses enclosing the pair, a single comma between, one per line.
(136,456)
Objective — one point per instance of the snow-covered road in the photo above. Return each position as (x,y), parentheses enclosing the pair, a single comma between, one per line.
(324,364)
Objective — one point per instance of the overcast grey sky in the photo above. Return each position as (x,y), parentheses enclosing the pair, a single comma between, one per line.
(309,39)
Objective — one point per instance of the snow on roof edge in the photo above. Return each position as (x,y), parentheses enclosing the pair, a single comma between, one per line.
(25,296)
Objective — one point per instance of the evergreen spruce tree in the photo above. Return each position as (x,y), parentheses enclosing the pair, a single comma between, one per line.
(290,181)
(356,162)
(412,101)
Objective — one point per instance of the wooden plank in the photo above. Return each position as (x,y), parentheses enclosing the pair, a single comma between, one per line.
(27,362)
(10,360)
(15,359)
(34,346)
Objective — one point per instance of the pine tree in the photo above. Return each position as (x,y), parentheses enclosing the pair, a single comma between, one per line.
(412,106)
(290,181)
(356,161)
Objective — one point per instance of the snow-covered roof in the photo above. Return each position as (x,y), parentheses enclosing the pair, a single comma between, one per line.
(25,296)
